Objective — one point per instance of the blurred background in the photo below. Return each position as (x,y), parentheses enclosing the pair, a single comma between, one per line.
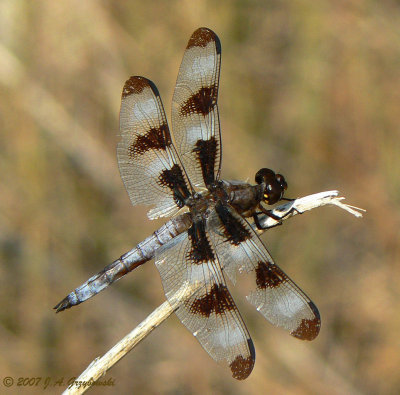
(309,89)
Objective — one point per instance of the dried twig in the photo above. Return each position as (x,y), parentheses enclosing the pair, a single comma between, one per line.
(101,365)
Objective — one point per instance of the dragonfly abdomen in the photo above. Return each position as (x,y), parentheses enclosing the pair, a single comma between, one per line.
(139,255)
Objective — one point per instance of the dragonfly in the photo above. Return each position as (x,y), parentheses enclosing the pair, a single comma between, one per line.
(211,235)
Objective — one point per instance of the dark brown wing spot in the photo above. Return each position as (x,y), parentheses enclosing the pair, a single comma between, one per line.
(155,138)
(206,153)
(309,329)
(217,301)
(136,85)
(201,37)
(201,250)
(201,102)
(241,367)
(174,180)
(269,275)
(232,227)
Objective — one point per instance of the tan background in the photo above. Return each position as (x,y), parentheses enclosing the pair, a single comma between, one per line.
(308,88)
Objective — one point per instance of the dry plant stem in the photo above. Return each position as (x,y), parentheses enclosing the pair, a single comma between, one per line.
(101,365)
(301,205)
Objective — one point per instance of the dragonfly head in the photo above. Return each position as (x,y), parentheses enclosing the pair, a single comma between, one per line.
(274,185)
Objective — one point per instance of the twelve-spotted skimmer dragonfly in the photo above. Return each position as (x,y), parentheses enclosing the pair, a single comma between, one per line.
(213,238)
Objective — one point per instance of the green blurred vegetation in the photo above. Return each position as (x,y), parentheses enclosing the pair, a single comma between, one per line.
(310,89)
